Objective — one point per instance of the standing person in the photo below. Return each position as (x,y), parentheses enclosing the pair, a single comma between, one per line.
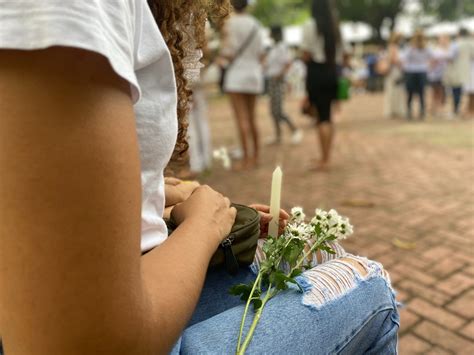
(85,257)
(243,50)
(394,93)
(441,54)
(468,48)
(278,62)
(459,67)
(322,52)
(416,60)
(200,148)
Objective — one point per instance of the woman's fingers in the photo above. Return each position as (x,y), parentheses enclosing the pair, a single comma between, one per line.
(284,215)
(172,181)
(260,208)
(266,209)
(266,217)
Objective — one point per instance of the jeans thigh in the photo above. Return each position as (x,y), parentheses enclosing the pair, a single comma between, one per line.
(215,297)
(363,320)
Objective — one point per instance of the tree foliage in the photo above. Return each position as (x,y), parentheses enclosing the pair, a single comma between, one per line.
(449,9)
(372,12)
(281,12)
(285,12)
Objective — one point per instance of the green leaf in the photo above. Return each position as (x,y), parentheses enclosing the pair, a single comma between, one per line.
(257,304)
(244,290)
(296,273)
(327,249)
(293,251)
(237,290)
(317,229)
(279,279)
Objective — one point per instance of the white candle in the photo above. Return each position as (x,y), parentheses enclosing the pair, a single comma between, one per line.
(275,203)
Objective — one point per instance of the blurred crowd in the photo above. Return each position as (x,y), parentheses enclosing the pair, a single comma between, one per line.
(443,65)
(435,73)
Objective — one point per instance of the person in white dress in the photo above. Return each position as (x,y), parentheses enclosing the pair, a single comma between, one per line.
(441,55)
(243,50)
(460,71)
(394,99)
(467,48)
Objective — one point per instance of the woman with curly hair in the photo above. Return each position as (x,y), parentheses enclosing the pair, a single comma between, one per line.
(93,95)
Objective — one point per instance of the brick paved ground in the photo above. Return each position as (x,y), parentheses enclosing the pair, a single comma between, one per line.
(408,189)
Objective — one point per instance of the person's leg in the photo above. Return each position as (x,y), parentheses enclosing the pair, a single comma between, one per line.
(326,134)
(280,83)
(457,94)
(410,91)
(470,107)
(435,99)
(250,102)
(215,297)
(347,307)
(240,112)
(325,131)
(274,107)
(421,84)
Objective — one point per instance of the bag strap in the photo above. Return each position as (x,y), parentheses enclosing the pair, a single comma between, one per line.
(244,46)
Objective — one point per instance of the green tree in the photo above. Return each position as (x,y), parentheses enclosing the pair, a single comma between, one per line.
(372,12)
(281,12)
(449,9)
(285,12)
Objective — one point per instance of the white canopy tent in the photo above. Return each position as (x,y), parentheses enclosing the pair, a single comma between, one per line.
(351,32)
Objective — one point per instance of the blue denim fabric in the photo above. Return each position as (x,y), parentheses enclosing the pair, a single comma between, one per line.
(363,320)
(457,96)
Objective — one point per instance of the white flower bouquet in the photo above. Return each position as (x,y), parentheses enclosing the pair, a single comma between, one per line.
(286,258)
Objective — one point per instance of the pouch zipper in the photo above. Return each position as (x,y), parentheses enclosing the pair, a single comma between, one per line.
(231,263)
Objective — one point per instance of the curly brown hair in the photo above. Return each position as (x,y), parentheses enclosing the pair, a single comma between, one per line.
(182,24)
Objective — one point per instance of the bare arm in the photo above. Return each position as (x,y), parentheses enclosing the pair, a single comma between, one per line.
(71,276)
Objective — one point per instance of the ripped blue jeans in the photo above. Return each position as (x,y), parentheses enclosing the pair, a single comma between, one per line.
(342,311)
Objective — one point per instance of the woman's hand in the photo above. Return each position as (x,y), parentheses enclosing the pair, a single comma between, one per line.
(266,217)
(209,210)
(178,191)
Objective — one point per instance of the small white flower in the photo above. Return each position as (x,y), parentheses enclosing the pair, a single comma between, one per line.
(297,214)
(298,230)
(222,155)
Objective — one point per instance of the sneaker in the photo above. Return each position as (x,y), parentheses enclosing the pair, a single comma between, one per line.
(272,141)
(297,137)
(452,116)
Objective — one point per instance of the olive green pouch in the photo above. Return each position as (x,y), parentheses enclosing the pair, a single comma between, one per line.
(239,248)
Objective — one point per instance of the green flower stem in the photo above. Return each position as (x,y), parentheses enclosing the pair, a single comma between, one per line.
(257,282)
(313,248)
(270,294)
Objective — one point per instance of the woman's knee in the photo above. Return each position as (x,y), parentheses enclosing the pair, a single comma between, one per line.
(335,278)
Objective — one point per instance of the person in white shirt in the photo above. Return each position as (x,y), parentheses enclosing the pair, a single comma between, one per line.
(416,61)
(243,50)
(278,62)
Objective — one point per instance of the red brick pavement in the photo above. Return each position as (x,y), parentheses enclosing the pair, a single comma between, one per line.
(418,177)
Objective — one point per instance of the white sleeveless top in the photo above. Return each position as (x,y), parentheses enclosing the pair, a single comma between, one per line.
(124,31)
(246,73)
